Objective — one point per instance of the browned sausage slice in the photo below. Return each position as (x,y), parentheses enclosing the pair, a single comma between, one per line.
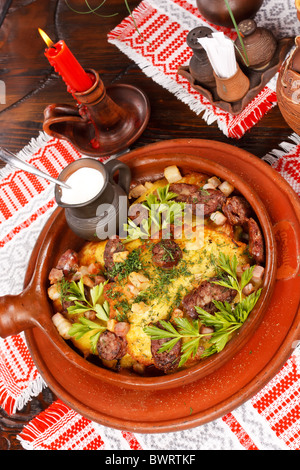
(203,296)
(184,191)
(166,361)
(211,199)
(68,262)
(166,254)
(113,245)
(237,210)
(111,346)
(256,243)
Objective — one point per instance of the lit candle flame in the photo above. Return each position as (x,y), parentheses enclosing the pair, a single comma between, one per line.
(46,38)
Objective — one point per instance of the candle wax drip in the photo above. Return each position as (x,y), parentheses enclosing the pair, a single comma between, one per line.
(85,114)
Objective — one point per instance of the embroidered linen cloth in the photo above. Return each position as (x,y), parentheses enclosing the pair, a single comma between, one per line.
(270,420)
(159,48)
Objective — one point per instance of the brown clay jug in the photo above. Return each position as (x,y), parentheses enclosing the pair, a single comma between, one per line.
(216,11)
(260,44)
(288,88)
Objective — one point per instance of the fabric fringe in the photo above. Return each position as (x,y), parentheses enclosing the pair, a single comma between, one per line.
(12,405)
(33,146)
(259,110)
(45,420)
(287,147)
(34,389)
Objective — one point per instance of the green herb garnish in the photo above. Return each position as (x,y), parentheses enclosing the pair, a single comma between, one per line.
(129,265)
(185,329)
(85,325)
(82,305)
(225,321)
(162,212)
(231,280)
(245,57)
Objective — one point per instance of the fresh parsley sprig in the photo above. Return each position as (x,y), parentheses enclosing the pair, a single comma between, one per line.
(231,281)
(83,326)
(185,329)
(82,305)
(225,321)
(162,211)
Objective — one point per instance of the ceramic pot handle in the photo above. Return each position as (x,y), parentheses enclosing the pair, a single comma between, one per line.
(124,179)
(16,313)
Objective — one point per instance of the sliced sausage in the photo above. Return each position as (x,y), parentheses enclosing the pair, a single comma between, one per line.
(203,296)
(68,262)
(166,361)
(113,245)
(111,346)
(184,191)
(256,243)
(166,254)
(211,199)
(237,210)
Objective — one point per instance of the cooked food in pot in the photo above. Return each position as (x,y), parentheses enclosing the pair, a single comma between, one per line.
(175,290)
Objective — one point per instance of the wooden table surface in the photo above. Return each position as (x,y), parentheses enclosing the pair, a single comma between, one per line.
(31,85)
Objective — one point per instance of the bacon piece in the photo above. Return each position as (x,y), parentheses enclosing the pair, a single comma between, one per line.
(55,275)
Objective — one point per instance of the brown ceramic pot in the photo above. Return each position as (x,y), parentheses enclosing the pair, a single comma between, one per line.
(288,89)
(221,382)
(216,12)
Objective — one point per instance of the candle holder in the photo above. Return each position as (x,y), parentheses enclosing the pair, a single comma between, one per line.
(105,121)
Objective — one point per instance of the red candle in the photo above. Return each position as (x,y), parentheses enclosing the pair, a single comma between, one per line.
(64,63)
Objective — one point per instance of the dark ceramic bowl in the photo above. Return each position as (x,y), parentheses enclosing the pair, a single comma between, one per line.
(32,308)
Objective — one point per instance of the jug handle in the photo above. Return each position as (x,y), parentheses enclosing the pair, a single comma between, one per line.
(124,178)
